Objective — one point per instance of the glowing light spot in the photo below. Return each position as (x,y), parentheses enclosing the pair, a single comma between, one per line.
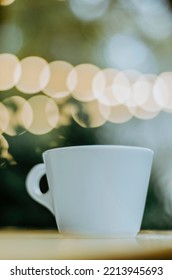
(162,91)
(34,76)
(45,114)
(141,90)
(89,115)
(20,115)
(121,88)
(155,20)
(10,71)
(136,56)
(104,110)
(119,114)
(103,86)
(57,84)
(146,100)
(6,2)
(88,10)
(132,75)
(66,114)
(4,152)
(4,118)
(3,143)
(80,82)
(150,77)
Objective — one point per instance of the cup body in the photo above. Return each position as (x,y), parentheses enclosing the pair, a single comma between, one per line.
(98,190)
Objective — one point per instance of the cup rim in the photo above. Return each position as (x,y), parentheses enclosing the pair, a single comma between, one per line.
(99,146)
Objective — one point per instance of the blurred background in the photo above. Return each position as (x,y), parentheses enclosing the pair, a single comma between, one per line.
(83,72)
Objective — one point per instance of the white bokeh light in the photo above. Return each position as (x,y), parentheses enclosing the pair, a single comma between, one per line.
(154,18)
(162,91)
(88,10)
(123,51)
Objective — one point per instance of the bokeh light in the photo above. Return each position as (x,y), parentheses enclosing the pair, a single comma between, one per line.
(103,86)
(45,114)
(141,91)
(137,55)
(4,153)
(121,88)
(89,115)
(154,18)
(4,118)
(150,103)
(66,113)
(112,95)
(20,115)
(80,82)
(6,2)
(35,74)
(119,114)
(162,91)
(10,71)
(57,84)
(140,113)
(89,10)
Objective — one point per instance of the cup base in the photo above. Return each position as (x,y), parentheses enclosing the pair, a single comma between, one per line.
(72,235)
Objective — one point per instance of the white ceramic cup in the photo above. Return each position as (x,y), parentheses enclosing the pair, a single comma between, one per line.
(97,191)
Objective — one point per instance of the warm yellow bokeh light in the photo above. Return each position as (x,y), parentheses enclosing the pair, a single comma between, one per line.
(57,84)
(10,71)
(4,152)
(20,115)
(111,94)
(3,146)
(4,118)
(45,114)
(34,76)
(119,114)
(6,2)
(89,115)
(3,143)
(80,82)
(66,113)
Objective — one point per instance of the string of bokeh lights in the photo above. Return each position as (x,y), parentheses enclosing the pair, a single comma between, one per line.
(51,94)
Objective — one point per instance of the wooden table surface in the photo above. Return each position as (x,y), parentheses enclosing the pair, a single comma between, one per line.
(18,244)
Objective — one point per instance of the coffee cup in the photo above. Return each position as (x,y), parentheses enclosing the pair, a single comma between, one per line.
(96,190)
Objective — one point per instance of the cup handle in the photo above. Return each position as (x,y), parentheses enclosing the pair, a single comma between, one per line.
(33,187)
